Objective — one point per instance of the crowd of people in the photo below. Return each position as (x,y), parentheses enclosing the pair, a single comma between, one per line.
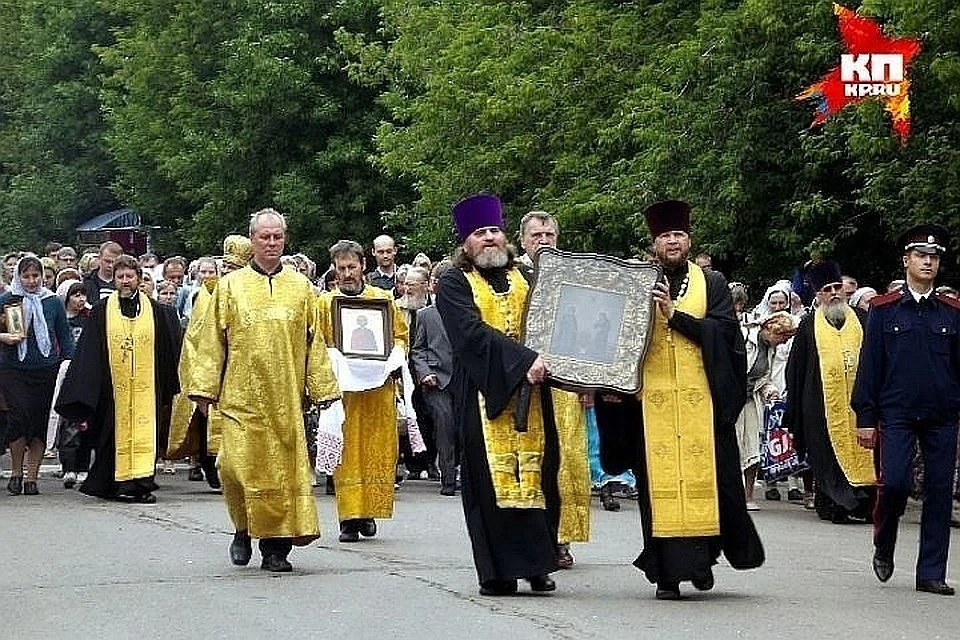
(269,377)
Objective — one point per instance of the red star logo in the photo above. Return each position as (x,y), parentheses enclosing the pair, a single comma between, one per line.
(867,47)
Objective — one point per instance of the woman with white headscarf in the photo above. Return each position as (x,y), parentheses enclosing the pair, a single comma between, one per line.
(30,357)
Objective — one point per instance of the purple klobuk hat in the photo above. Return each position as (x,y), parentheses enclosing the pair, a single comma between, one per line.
(476,212)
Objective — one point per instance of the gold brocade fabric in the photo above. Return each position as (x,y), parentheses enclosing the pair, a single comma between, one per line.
(515,459)
(839,354)
(573,476)
(183,441)
(367,471)
(255,356)
(130,352)
(678,426)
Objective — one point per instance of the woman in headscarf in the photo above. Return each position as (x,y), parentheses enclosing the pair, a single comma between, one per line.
(30,357)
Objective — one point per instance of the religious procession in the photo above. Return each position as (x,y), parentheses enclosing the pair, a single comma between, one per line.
(270,381)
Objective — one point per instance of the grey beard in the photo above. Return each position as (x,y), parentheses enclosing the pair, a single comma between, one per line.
(416,302)
(350,287)
(491,258)
(836,313)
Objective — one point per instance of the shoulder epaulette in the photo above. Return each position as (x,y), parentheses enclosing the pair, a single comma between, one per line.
(949,301)
(887,298)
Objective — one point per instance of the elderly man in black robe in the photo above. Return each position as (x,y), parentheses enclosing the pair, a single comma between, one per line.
(678,433)
(821,373)
(508,475)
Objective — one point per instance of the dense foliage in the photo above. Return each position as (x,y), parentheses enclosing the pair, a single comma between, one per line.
(357,116)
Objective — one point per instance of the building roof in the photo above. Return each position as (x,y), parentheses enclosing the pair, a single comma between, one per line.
(119,219)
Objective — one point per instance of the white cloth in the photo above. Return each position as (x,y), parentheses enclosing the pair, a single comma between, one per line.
(53,420)
(360,374)
(330,437)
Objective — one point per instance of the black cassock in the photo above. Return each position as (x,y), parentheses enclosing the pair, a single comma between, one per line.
(507,543)
(622,447)
(806,420)
(87,393)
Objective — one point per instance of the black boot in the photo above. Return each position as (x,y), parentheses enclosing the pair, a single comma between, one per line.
(240,549)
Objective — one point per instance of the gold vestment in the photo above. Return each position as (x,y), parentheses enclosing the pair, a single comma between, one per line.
(515,458)
(368,467)
(839,353)
(131,357)
(258,349)
(573,476)
(185,441)
(678,425)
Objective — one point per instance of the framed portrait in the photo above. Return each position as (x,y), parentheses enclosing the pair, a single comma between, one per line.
(13,319)
(590,316)
(363,327)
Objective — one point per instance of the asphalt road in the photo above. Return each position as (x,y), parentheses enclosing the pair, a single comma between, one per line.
(75,567)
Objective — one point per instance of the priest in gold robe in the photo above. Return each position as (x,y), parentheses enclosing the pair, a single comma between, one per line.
(190,434)
(508,470)
(367,472)
(259,357)
(678,433)
(821,373)
(121,380)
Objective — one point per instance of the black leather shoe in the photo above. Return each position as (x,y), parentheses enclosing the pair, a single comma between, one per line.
(772,494)
(275,563)
(145,498)
(15,485)
(883,567)
(938,587)
(542,583)
(607,499)
(30,488)
(704,583)
(498,588)
(349,532)
(240,549)
(448,491)
(329,489)
(368,527)
(195,474)
(668,591)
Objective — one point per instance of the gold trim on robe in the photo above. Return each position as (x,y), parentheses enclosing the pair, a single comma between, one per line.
(515,458)
(368,467)
(130,353)
(573,476)
(678,425)
(839,353)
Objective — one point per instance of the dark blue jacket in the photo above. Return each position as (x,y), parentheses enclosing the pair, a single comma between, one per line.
(909,368)
(61,338)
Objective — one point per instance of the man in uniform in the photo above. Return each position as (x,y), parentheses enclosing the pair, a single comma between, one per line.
(678,433)
(366,475)
(257,351)
(908,392)
(507,476)
(821,372)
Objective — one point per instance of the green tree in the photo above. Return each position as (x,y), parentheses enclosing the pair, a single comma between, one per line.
(218,109)
(54,169)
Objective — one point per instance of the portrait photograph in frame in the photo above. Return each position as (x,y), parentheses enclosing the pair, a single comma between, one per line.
(363,327)
(590,316)
(13,319)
